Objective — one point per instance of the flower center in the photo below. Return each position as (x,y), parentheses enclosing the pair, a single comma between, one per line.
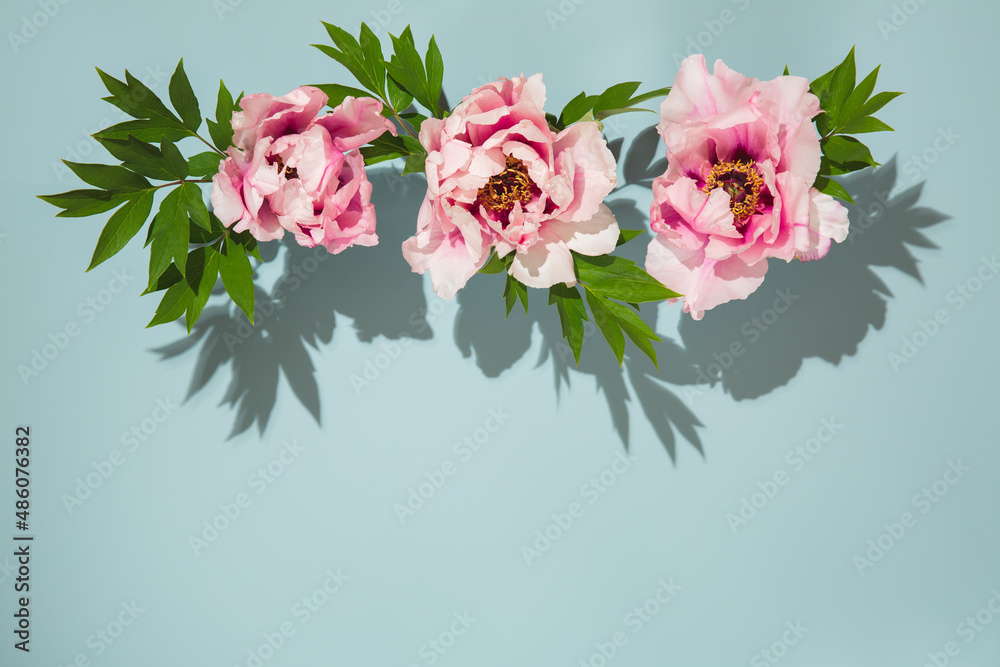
(741,181)
(290,172)
(509,186)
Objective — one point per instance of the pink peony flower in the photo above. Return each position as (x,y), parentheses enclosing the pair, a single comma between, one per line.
(292,169)
(499,177)
(743,157)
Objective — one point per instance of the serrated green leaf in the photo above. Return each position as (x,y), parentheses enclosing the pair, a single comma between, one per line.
(173,162)
(617,96)
(237,276)
(607,323)
(109,177)
(832,188)
(121,227)
(183,98)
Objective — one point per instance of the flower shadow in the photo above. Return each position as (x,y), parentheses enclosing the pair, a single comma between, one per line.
(818,309)
(372,286)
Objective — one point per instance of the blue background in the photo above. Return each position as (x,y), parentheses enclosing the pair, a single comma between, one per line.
(700,449)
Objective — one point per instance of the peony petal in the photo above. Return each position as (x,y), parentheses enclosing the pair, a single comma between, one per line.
(705,283)
(597,236)
(545,263)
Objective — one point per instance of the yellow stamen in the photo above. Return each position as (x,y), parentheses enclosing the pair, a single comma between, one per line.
(741,181)
(509,186)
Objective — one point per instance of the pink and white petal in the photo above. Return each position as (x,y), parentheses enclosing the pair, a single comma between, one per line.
(597,236)
(356,121)
(545,263)
(705,283)
(828,222)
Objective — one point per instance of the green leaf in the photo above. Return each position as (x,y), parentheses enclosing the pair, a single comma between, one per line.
(80,203)
(167,278)
(626,235)
(221,130)
(371,49)
(198,235)
(201,275)
(144,130)
(160,259)
(659,92)
(832,188)
(172,225)
(617,96)
(205,164)
(349,54)
(193,201)
(337,93)
(577,108)
(414,164)
(866,124)
(237,276)
(435,74)
(856,100)
(497,264)
(620,278)
(407,68)
(109,177)
(844,149)
(572,314)
(607,323)
(121,227)
(136,99)
(785,73)
(398,98)
(878,101)
(173,162)
(637,330)
(513,291)
(173,304)
(139,156)
(183,98)
(841,86)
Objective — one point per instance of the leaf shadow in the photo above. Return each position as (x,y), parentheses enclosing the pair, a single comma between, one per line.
(820,309)
(298,315)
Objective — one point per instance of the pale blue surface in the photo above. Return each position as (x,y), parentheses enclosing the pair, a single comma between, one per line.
(665,516)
